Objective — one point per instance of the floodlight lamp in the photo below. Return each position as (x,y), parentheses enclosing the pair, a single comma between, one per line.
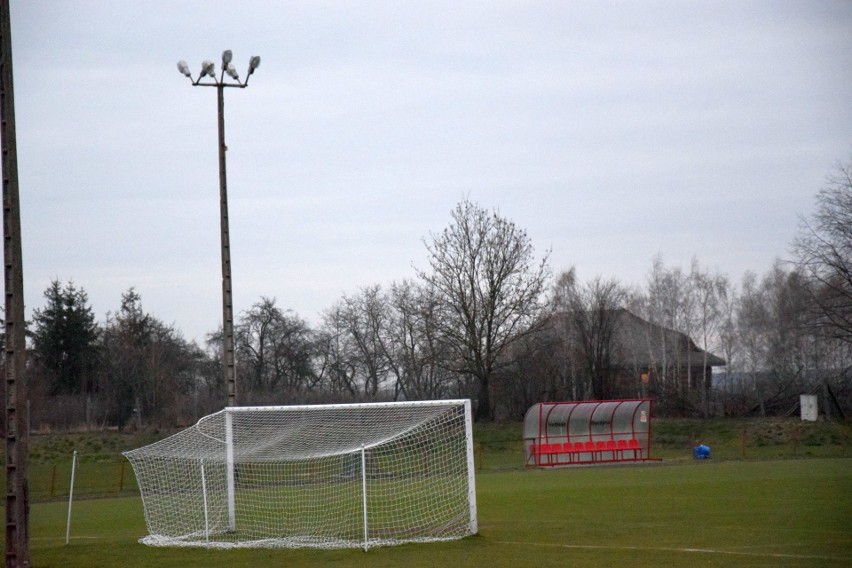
(208,68)
(226,58)
(254,63)
(184,68)
(230,70)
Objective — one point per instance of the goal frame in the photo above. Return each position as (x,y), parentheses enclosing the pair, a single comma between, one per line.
(230,416)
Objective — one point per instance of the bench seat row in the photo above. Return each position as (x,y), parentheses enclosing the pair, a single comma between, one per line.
(586,452)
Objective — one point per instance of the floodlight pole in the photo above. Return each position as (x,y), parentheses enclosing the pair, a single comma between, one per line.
(208,70)
(227,298)
(17,428)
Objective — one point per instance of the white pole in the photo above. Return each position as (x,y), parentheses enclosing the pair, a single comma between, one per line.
(71,497)
(204,496)
(364,492)
(471,478)
(229,458)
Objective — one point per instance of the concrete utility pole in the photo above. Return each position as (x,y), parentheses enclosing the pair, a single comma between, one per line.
(208,69)
(17,498)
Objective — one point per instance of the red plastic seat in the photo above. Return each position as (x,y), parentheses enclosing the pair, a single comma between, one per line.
(541,453)
(558,450)
(590,448)
(633,444)
(549,450)
(573,450)
(610,447)
(622,445)
(600,448)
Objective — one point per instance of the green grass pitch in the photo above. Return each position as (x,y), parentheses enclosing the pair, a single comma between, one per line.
(762,513)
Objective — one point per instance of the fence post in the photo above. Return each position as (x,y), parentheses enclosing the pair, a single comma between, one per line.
(121,478)
(796,432)
(53,482)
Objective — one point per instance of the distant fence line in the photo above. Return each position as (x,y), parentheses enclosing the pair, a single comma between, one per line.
(108,474)
(96,475)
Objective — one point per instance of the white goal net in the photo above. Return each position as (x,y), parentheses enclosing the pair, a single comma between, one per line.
(324,476)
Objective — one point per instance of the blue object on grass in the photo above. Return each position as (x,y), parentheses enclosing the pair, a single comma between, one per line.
(701,452)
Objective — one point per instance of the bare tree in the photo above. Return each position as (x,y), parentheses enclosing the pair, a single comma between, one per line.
(255,343)
(356,350)
(277,348)
(148,369)
(824,254)
(677,307)
(709,292)
(663,311)
(365,317)
(779,353)
(729,344)
(336,368)
(418,358)
(593,311)
(567,370)
(488,288)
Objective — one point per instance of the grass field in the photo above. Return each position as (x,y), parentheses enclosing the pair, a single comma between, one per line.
(776,493)
(762,513)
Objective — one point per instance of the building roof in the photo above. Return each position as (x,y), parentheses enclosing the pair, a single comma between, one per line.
(647,344)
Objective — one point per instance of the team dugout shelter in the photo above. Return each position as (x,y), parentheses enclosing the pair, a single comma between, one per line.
(587,432)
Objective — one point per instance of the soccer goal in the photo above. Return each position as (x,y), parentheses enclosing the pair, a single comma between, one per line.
(323,476)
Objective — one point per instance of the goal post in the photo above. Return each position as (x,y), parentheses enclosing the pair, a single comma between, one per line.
(471,478)
(229,470)
(323,476)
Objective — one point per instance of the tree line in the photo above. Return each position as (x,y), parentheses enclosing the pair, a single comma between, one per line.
(486,320)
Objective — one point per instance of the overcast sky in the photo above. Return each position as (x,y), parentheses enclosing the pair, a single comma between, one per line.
(611,131)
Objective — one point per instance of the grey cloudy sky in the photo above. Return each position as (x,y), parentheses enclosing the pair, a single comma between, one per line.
(611,131)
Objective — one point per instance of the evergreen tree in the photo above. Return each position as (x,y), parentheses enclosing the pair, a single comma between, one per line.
(65,338)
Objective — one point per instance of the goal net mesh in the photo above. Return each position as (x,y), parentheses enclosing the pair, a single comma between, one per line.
(326,476)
